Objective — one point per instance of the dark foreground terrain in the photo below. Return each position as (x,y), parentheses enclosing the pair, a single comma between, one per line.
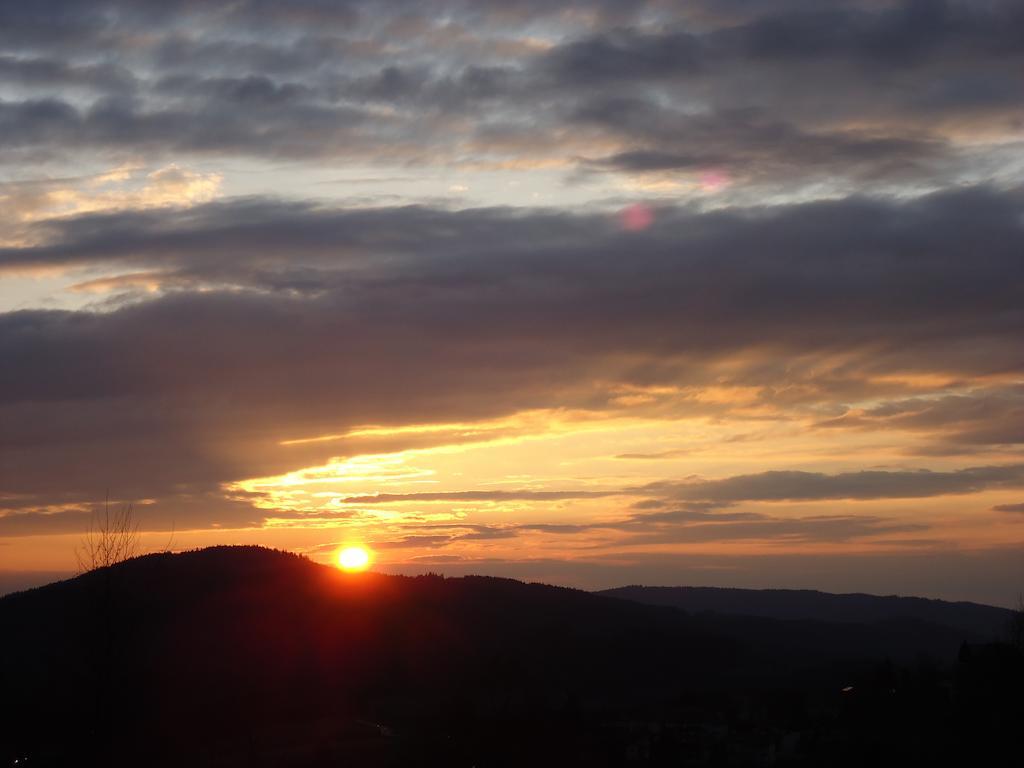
(250,657)
(974,620)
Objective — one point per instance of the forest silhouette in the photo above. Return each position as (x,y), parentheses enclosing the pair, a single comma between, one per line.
(247,656)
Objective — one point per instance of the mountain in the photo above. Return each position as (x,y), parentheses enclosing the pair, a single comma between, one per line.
(979,622)
(235,656)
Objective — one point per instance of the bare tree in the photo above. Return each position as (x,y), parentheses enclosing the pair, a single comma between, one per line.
(113,536)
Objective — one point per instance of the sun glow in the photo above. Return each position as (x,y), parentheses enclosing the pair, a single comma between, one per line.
(353,559)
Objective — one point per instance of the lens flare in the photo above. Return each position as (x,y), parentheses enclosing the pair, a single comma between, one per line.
(636,217)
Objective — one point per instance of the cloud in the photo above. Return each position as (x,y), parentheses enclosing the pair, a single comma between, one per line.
(37,72)
(301,130)
(788,95)
(120,188)
(455,534)
(991,416)
(457,496)
(754,146)
(822,528)
(622,56)
(39,523)
(671,454)
(1008,508)
(281,320)
(904,34)
(69,511)
(679,526)
(412,542)
(222,329)
(865,484)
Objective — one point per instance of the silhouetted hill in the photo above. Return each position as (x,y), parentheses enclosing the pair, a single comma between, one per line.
(245,656)
(979,622)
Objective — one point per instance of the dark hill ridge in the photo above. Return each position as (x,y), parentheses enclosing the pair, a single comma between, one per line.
(980,622)
(247,656)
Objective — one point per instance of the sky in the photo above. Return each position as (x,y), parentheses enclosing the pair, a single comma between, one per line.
(719,292)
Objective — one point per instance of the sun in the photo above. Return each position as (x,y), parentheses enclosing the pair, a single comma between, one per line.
(354,558)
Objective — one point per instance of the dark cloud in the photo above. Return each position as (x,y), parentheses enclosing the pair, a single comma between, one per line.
(456,534)
(906,34)
(678,526)
(43,72)
(624,55)
(695,513)
(179,508)
(290,320)
(865,484)
(1008,508)
(882,273)
(252,90)
(702,518)
(179,55)
(561,528)
(456,496)
(832,528)
(852,90)
(40,524)
(488,534)
(673,454)
(787,94)
(410,542)
(992,416)
(753,146)
(296,130)
(698,522)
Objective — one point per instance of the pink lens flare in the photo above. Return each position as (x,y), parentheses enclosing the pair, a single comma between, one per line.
(636,217)
(714,180)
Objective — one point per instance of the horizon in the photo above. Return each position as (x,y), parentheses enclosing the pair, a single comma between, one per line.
(708,294)
(12,582)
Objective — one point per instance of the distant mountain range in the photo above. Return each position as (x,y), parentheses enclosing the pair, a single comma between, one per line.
(18,581)
(979,622)
(242,656)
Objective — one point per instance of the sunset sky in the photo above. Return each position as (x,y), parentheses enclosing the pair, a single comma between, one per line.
(723,292)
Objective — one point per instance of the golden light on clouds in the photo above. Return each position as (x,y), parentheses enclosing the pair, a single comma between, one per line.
(526,487)
(500,287)
(130,186)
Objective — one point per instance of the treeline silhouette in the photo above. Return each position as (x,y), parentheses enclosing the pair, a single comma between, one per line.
(236,656)
(981,622)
